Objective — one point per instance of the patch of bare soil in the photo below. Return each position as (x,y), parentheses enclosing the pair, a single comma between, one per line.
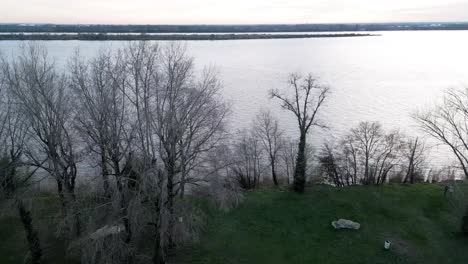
(403,247)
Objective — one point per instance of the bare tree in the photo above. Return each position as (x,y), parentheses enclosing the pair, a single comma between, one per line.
(368,137)
(304,101)
(189,119)
(180,118)
(14,179)
(248,165)
(366,155)
(379,151)
(268,130)
(413,153)
(288,157)
(222,188)
(203,119)
(331,166)
(103,120)
(389,157)
(448,123)
(43,97)
(142,81)
(153,123)
(350,159)
(102,109)
(176,77)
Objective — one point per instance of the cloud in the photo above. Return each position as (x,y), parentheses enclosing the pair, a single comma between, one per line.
(457,11)
(229,11)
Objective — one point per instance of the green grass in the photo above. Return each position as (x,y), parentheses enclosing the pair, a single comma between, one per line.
(272,226)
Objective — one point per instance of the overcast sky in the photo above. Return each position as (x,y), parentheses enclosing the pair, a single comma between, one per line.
(230,11)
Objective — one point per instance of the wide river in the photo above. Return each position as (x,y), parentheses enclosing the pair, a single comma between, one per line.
(380,78)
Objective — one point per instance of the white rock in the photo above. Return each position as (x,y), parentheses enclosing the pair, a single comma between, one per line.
(345,224)
(106,231)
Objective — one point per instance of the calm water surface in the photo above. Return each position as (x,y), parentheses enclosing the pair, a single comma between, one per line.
(384,78)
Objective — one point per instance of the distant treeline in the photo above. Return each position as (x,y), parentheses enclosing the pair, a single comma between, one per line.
(128,37)
(229,28)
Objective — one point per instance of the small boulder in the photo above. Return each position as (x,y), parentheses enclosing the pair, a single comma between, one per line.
(107,231)
(345,224)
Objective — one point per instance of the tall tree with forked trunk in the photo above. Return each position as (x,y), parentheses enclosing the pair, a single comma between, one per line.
(303,97)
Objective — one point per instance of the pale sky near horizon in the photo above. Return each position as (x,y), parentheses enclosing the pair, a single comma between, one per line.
(230,11)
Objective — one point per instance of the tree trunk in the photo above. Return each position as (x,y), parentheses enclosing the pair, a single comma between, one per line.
(410,172)
(158,255)
(301,163)
(159,251)
(183,174)
(171,171)
(68,203)
(366,171)
(273,173)
(123,208)
(182,180)
(71,203)
(31,234)
(63,202)
(126,172)
(339,178)
(104,173)
(182,190)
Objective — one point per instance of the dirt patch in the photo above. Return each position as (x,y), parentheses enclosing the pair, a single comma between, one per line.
(403,247)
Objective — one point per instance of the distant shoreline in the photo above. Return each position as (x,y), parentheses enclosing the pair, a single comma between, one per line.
(169,37)
(228,28)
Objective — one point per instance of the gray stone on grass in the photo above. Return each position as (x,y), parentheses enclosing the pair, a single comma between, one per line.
(107,231)
(346,224)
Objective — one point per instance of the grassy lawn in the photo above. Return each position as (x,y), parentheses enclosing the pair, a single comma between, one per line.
(284,227)
(274,226)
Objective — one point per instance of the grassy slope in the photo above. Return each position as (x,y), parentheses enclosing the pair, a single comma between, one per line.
(284,227)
